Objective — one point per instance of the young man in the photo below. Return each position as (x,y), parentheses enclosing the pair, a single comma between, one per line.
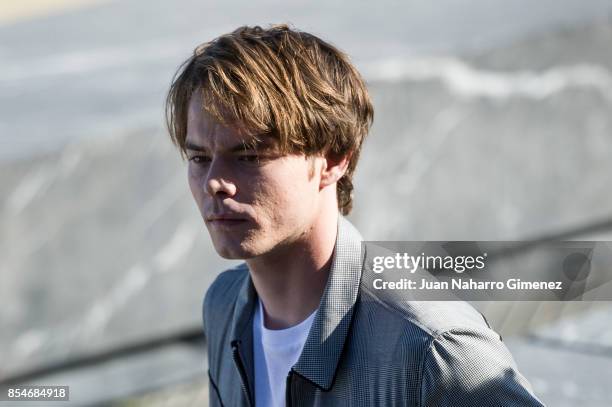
(272,122)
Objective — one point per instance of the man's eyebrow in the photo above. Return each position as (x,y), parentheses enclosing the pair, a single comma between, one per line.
(253,144)
(192,146)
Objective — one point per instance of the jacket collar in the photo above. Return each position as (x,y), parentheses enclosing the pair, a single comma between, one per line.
(321,354)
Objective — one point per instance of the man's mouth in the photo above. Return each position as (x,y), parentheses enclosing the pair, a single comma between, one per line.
(225,220)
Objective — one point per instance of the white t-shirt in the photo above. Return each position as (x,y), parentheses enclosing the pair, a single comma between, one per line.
(274,353)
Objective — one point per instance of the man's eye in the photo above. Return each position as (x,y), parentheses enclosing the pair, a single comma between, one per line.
(200,159)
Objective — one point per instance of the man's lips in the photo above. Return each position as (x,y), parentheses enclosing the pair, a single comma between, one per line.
(226,223)
(225,220)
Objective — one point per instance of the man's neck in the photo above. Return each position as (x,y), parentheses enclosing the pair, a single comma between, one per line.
(291,280)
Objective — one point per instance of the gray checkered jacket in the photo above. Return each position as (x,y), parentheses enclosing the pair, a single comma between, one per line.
(364,347)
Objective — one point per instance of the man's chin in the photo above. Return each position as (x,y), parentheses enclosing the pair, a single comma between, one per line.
(235,253)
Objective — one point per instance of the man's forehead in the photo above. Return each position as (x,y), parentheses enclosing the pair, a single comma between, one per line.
(205,131)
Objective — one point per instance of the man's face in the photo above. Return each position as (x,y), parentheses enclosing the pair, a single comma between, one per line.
(252,200)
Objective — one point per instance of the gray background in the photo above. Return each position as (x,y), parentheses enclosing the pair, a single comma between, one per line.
(493,122)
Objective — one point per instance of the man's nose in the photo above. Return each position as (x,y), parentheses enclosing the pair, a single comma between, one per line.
(218,180)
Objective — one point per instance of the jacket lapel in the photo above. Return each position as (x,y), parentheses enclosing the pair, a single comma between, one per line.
(321,354)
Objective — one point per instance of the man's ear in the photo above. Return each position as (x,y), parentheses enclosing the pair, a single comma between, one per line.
(334,168)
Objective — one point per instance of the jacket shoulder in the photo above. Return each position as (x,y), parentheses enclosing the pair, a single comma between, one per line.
(479,369)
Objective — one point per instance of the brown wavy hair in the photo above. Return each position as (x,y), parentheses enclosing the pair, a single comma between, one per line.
(282,82)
